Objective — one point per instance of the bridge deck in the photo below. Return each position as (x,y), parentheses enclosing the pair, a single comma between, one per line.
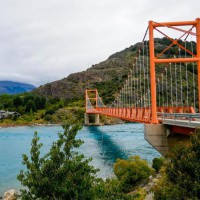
(180,119)
(181,122)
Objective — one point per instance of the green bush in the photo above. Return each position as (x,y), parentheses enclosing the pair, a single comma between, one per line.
(48,117)
(132,171)
(167,190)
(182,172)
(157,163)
(50,112)
(111,190)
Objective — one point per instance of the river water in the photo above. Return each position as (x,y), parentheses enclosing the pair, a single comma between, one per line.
(103,143)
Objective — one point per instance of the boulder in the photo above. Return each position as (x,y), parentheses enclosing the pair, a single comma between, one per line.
(10,195)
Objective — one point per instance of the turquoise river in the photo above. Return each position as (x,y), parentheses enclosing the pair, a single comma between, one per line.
(103,143)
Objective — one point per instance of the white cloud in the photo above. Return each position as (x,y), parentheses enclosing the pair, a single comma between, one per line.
(41,41)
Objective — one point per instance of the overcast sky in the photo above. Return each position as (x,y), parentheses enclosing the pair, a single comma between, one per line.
(46,40)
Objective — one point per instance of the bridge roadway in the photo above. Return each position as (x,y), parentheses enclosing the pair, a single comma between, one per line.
(180,119)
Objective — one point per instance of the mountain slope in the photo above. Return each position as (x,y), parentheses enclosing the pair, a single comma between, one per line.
(107,76)
(10,87)
(97,76)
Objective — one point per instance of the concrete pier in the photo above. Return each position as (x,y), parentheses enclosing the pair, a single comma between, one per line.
(162,139)
(91,119)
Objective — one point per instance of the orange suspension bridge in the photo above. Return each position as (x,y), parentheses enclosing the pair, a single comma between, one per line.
(158,91)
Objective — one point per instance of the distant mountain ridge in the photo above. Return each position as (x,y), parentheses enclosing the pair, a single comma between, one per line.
(11,87)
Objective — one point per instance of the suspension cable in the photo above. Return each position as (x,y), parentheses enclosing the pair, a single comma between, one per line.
(180,66)
(137,90)
(158,92)
(170,68)
(140,72)
(175,78)
(134,86)
(166,87)
(186,77)
(144,74)
(148,83)
(193,76)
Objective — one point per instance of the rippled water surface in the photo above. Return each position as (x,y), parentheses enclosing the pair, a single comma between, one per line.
(103,143)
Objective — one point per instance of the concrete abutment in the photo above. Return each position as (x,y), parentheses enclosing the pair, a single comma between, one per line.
(162,139)
(91,119)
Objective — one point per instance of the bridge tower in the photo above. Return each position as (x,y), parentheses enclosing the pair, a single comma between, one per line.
(162,136)
(155,60)
(91,101)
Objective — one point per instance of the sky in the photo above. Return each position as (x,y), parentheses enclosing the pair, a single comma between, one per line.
(46,40)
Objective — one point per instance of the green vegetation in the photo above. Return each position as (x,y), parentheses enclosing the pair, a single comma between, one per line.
(65,174)
(60,174)
(158,163)
(181,176)
(131,172)
(49,103)
(37,110)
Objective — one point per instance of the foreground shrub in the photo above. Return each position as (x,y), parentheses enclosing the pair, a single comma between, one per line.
(166,190)
(158,163)
(111,190)
(60,174)
(131,172)
(48,117)
(182,172)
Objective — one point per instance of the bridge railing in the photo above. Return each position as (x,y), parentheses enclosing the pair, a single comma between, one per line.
(129,114)
(179,109)
(179,116)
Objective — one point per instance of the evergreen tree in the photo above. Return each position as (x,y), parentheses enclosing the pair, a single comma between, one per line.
(60,174)
(40,102)
(30,106)
(17,101)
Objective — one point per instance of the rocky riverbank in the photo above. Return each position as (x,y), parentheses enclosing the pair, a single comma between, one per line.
(10,195)
(26,124)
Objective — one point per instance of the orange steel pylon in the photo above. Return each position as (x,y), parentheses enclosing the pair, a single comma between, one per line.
(154,60)
(91,100)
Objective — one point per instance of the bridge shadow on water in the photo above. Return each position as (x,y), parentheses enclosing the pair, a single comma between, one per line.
(109,149)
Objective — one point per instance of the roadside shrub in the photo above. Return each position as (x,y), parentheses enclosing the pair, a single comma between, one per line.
(21,110)
(48,117)
(157,163)
(182,176)
(61,104)
(14,117)
(50,112)
(131,172)
(42,114)
(111,190)
(164,189)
